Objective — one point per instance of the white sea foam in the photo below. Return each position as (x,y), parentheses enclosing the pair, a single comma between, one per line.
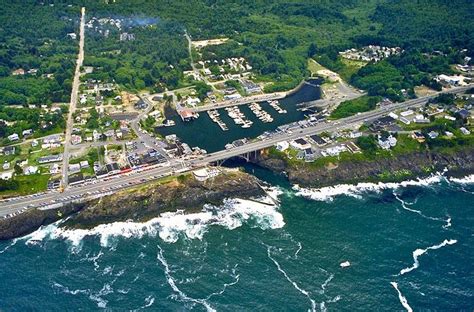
(466,180)
(357,190)
(298,251)
(418,252)
(402,298)
(169,226)
(295,285)
(181,295)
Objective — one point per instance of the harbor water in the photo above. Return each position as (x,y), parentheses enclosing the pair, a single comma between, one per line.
(206,134)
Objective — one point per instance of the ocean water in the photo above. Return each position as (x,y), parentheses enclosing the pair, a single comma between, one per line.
(409,245)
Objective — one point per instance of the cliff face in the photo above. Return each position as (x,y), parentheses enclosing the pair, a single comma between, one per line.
(148,202)
(387,169)
(139,204)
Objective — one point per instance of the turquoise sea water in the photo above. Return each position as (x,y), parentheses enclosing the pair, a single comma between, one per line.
(246,257)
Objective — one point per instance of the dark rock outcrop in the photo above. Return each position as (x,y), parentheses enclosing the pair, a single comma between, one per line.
(388,169)
(139,204)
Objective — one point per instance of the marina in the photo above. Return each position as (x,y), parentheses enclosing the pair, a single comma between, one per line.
(218,127)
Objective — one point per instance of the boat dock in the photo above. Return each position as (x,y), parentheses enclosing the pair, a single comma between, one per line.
(260,113)
(215,117)
(238,117)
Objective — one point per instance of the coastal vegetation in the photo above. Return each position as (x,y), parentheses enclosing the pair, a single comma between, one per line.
(358,105)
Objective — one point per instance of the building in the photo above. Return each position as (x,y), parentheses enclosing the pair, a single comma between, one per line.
(282,146)
(28,132)
(318,140)
(418,136)
(187,115)
(13,137)
(9,150)
(50,159)
(465,131)
(433,135)
(204,174)
(388,143)
(353,148)
(300,144)
(250,87)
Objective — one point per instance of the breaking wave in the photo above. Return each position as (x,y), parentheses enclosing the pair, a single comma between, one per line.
(466,180)
(171,226)
(418,252)
(357,190)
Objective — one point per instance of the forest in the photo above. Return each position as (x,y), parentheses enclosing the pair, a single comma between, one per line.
(276,37)
(34,43)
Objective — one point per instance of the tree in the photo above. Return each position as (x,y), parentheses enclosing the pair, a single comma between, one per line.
(312,50)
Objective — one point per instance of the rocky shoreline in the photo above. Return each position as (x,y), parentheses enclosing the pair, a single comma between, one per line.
(138,204)
(395,169)
(185,193)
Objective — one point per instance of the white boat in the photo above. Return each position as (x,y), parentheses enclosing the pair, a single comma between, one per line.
(345,264)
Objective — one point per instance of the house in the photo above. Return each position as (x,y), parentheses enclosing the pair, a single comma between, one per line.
(309,155)
(465,131)
(28,132)
(6,175)
(388,143)
(300,144)
(84,164)
(18,72)
(353,148)
(30,170)
(76,139)
(418,136)
(6,165)
(282,146)
(9,150)
(334,151)
(463,114)
(405,120)
(73,168)
(449,134)
(50,159)
(433,135)
(54,169)
(73,36)
(13,137)
(407,113)
(421,119)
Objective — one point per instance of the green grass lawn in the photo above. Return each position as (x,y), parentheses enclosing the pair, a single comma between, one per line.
(352,107)
(28,185)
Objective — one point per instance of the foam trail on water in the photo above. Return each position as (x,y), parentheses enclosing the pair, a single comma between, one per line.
(405,206)
(226,285)
(402,298)
(298,251)
(356,191)
(418,252)
(13,242)
(169,226)
(175,288)
(326,282)
(295,285)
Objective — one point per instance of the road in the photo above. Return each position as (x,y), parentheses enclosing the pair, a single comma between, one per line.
(74,94)
(176,165)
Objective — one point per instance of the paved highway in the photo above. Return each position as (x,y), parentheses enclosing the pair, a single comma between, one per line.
(74,93)
(111,184)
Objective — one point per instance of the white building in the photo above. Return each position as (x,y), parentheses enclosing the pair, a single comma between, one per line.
(282,146)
